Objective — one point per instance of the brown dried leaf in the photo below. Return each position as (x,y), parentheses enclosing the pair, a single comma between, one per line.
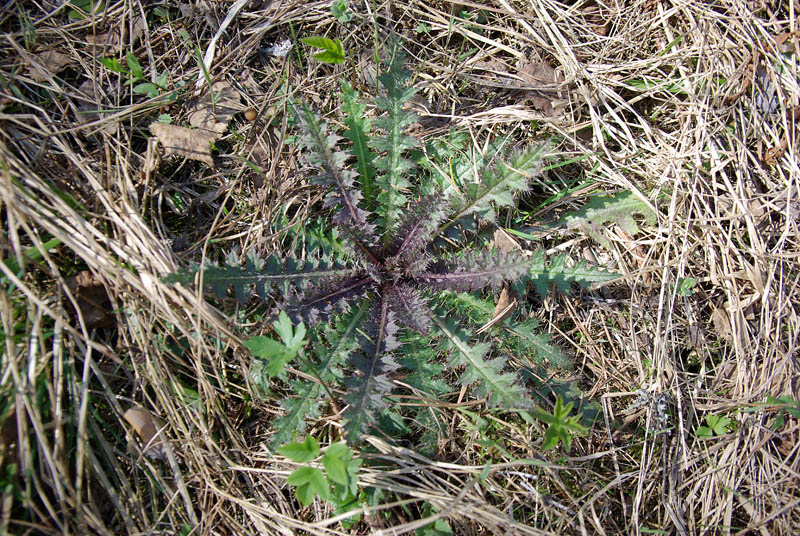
(147,428)
(49,62)
(504,241)
(539,73)
(93,301)
(722,324)
(191,143)
(214,115)
(544,96)
(87,112)
(111,42)
(506,303)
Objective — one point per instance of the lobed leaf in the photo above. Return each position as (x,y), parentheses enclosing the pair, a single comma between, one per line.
(368,387)
(543,274)
(500,388)
(392,182)
(476,270)
(499,185)
(333,344)
(358,127)
(602,210)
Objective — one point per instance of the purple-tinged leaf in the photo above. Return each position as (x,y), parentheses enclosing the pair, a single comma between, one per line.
(476,270)
(410,307)
(319,302)
(370,383)
(417,229)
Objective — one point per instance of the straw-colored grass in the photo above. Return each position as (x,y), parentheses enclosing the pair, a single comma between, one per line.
(693,106)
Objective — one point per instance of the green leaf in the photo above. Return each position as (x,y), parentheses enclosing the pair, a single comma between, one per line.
(340,11)
(704,431)
(358,128)
(500,388)
(147,88)
(718,424)
(602,210)
(499,185)
(560,425)
(333,50)
(686,286)
(113,65)
(543,274)
(82,7)
(162,80)
(335,465)
(301,452)
(393,164)
(293,338)
(333,344)
(134,65)
(310,482)
(276,354)
(537,346)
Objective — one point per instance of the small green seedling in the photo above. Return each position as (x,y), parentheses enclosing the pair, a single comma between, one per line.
(686,286)
(338,484)
(561,425)
(135,72)
(786,405)
(340,11)
(716,425)
(272,356)
(332,51)
(83,8)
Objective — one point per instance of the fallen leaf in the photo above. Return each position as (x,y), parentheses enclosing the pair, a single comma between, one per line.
(505,305)
(111,42)
(722,324)
(88,111)
(539,73)
(210,117)
(93,301)
(544,90)
(504,241)
(147,427)
(48,62)
(216,108)
(188,142)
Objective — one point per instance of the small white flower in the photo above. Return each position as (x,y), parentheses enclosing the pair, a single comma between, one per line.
(280,49)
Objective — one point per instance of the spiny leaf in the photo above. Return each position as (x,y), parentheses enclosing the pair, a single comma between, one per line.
(333,344)
(322,300)
(537,345)
(602,210)
(410,308)
(392,183)
(417,229)
(260,274)
(476,270)
(322,154)
(358,127)
(499,185)
(368,387)
(543,274)
(500,388)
